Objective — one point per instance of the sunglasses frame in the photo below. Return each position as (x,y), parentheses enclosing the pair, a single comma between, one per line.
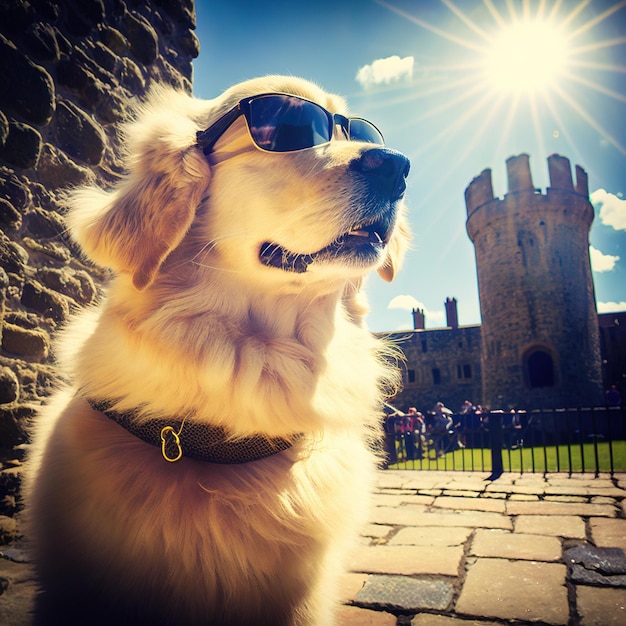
(206,139)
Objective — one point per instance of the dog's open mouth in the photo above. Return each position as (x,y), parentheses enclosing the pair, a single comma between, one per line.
(362,243)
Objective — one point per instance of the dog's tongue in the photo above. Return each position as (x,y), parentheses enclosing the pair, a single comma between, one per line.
(372,235)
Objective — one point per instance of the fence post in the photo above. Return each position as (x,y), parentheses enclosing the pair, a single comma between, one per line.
(495,436)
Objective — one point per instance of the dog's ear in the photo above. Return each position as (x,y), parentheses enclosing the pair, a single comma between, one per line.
(133,228)
(396,249)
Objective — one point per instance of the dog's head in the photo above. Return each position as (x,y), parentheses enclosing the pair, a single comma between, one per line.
(271,202)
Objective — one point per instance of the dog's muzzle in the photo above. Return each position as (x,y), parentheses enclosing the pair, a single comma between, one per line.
(382,172)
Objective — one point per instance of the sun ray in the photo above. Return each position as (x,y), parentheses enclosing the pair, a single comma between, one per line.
(534,112)
(508,122)
(466,20)
(604,67)
(599,18)
(563,130)
(592,122)
(433,29)
(494,13)
(573,14)
(605,43)
(599,88)
(555,10)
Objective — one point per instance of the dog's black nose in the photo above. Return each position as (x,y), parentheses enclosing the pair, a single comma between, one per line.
(388,168)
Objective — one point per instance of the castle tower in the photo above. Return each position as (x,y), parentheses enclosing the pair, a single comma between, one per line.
(540,339)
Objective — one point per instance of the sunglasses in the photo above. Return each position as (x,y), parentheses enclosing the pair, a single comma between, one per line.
(283,123)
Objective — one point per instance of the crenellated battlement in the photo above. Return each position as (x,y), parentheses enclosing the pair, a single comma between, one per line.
(539,332)
(480,190)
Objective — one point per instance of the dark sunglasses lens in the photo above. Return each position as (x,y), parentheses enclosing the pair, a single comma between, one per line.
(285,123)
(362,130)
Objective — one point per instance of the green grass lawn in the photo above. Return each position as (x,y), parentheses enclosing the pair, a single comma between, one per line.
(548,459)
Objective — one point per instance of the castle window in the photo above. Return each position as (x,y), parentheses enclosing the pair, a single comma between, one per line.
(539,369)
(410,376)
(464,371)
(424,346)
(436,376)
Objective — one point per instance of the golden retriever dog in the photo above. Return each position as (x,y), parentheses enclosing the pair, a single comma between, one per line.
(212,458)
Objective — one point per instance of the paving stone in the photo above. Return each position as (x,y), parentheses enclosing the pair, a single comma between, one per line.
(398,498)
(575,499)
(467,504)
(559,508)
(495,494)
(431,536)
(441,517)
(596,566)
(582,489)
(609,533)
(507,545)
(355,616)
(601,607)
(403,516)
(522,497)
(461,494)
(378,531)
(408,594)
(570,526)
(349,584)
(427,619)
(407,560)
(522,590)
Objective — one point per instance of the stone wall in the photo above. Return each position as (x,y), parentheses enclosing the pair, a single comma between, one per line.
(441,364)
(70,71)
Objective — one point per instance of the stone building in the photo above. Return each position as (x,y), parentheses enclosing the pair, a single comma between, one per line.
(70,72)
(541,343)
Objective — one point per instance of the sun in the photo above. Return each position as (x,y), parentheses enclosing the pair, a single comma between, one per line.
(525,56)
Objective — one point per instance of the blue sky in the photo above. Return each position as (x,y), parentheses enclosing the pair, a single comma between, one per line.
(429,74)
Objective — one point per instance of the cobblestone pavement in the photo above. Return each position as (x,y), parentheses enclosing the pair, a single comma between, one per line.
(454,549)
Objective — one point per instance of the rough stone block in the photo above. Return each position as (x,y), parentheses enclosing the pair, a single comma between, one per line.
(45,224)
(32,93)
(609,533)
(142,38)
(515,590)
(356,616)
(26,343)
(407,560)
(57,170)
(570,526)
(9,386)
(45,301)
(9,215)
(78,134)
(507,545)
(41,42)
(601,607)
(403,593)
(22,146)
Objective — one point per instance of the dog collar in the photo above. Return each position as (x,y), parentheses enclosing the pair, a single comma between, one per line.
(178,438)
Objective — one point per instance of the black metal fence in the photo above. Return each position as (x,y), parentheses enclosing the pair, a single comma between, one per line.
(587,440)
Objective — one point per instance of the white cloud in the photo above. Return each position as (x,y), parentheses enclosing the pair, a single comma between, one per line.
(392,68)
(601,262)
(407,303)
(610,208)
(611,307)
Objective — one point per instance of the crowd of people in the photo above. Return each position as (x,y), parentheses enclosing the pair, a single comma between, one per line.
(414,434)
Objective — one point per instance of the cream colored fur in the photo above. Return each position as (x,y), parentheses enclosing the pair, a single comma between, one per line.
(194,324)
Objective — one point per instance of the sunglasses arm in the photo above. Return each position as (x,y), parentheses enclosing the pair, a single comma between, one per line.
(206,139)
